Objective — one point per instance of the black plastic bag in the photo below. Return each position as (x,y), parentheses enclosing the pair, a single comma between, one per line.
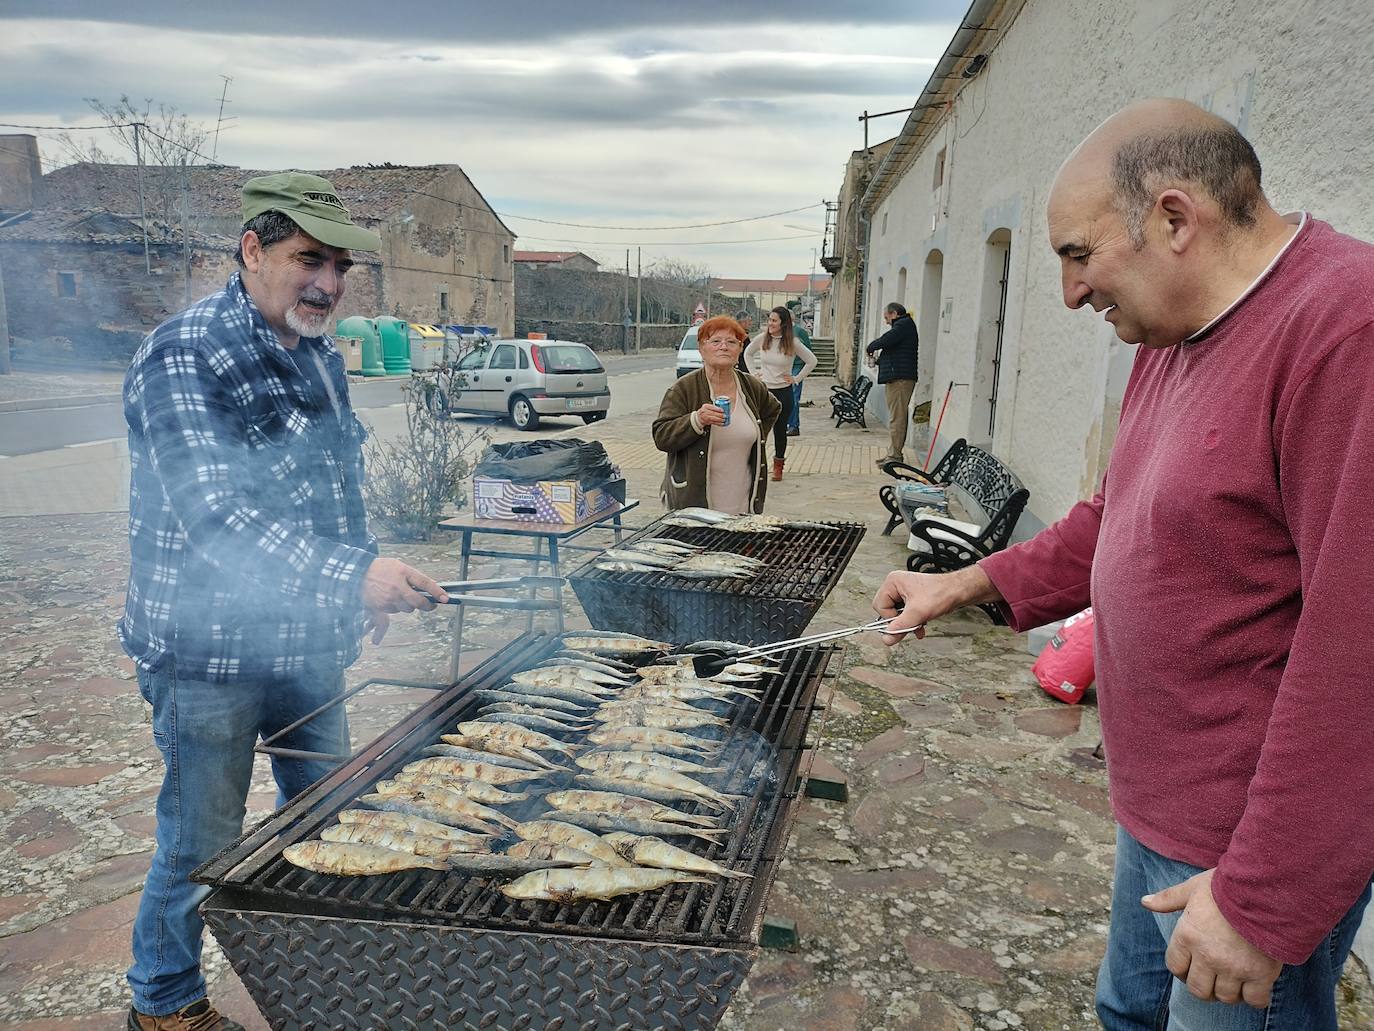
(534,460)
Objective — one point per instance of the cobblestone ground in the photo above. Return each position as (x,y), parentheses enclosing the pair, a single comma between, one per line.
(963,885)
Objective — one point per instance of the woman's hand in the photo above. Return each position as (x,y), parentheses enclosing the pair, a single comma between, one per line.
(710,415)
(788,379)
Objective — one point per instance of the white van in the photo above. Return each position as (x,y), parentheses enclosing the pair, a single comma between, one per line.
(688,354)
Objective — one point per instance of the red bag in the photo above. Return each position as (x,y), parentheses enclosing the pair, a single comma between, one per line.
(1065,665)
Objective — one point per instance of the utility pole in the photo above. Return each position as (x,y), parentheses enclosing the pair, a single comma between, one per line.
(220,120)
(5,367)
(142,210)
(185,240)
(639,284)
(625,311)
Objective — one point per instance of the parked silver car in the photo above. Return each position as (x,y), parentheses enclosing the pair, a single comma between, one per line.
(527,379)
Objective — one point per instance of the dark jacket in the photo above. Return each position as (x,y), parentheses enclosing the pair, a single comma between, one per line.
(675,432)
(897,350)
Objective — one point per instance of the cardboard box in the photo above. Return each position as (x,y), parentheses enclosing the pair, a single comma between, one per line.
(547,501)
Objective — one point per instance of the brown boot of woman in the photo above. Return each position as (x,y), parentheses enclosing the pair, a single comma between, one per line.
(777,468)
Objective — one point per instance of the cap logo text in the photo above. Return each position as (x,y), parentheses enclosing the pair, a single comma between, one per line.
(326,198)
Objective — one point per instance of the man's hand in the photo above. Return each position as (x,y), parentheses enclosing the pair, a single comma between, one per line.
(376,623)
(390,586)
(1205,951)
(916,598)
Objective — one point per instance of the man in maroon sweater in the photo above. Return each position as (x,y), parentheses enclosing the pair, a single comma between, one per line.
(1228,563)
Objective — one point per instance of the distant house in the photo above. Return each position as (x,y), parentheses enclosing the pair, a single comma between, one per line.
(557,259)
(74,263)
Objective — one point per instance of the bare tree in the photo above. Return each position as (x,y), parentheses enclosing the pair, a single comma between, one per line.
(674,270)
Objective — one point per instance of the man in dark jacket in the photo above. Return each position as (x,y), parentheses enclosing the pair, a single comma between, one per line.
(896,350)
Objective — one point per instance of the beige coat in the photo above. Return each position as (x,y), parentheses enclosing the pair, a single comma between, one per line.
(685,441)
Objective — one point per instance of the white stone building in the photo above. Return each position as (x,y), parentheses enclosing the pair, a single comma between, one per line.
(956,210)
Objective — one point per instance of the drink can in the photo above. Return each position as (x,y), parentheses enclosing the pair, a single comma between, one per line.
(723,403)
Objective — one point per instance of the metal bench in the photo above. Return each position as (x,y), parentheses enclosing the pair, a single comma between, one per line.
(847,405)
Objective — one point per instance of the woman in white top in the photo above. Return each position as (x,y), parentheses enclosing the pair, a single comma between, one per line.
(769,357)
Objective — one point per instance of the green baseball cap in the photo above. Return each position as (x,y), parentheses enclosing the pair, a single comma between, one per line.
(310,202)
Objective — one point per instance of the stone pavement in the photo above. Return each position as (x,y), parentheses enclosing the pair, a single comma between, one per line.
(963,885)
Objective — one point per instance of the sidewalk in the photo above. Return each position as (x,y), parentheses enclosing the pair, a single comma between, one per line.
(965,884)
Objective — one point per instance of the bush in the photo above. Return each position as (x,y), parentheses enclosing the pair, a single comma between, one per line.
(414,481)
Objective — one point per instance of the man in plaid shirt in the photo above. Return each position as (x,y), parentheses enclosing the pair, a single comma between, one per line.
(253,574)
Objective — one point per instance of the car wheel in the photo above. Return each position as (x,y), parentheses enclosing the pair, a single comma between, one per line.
(592,417)
(522,414)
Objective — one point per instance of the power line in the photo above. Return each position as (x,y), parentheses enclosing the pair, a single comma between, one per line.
(71,128)
(667,243)
(655,229)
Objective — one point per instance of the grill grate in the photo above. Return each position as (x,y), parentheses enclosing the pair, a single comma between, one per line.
(766,739)
(802,568)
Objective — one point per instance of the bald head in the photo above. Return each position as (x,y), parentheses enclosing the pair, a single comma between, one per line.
(1166,143)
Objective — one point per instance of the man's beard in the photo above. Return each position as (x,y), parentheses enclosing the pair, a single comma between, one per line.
(307,322)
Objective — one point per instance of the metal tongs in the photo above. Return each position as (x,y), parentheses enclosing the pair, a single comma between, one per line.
(461,592)
(711,661)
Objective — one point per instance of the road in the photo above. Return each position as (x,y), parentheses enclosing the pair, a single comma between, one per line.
(25,433)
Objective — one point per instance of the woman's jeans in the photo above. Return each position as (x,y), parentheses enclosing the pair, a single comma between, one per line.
(206,733)
(784,396)
(1135,989)
(794,423)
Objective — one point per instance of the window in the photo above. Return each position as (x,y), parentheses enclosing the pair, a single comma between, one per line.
(474,359)
(883,231)
(524,360)
(66,284)
(443,302)
(505,252)
(570,358)
(939,178)
(504,357)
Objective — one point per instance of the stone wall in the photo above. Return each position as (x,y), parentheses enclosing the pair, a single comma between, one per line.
(602,336)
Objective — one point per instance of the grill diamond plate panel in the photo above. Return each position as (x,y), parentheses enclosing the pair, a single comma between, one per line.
(317,973)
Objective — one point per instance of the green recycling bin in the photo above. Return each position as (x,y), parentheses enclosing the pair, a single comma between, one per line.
(395,334)
(358,326)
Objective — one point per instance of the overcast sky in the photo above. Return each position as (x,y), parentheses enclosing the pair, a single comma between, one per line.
(603,112)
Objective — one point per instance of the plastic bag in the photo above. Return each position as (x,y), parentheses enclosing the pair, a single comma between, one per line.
(1065,665)
(529,461)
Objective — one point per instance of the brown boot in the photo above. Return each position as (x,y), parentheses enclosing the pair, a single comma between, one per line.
(198,1016)
(777,468)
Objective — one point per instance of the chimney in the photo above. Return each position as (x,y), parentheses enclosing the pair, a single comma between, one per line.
(20,172)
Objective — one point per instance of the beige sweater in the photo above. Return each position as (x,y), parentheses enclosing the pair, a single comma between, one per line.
(772,365)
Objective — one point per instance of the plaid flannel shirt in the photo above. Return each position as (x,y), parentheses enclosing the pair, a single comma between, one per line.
(247,530)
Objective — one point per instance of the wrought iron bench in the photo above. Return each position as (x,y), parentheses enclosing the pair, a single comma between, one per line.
(847,405)
(994,495)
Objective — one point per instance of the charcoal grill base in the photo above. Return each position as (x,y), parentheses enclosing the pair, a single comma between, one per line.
(314,973)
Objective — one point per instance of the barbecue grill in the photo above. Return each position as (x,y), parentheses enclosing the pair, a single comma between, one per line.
(803,566)
(425,949)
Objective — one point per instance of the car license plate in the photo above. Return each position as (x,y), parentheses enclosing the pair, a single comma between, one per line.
(581,402)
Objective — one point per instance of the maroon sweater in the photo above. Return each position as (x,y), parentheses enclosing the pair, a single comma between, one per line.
(1230,567)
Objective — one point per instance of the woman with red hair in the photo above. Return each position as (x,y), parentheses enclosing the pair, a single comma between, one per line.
(714,460)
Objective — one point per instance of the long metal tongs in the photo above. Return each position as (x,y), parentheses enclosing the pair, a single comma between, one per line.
(709,663)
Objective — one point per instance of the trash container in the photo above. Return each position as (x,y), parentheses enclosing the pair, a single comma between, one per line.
(395,334)
(366,330)
(426,346)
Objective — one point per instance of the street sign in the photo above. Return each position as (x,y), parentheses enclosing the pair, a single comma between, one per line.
(699,315)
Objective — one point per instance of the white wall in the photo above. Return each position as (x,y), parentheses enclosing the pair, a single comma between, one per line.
(1295,77)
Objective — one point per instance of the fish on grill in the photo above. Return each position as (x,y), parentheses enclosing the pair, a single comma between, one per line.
(616,784)
(598,672)
(597,882)
(702,516)
(558,832)
(605,822)
(551,852)
(603,660)
(637,557)
(611,566)
(601,759)
(501,733)
(617,803)
(618,733)
(634,771)
(407,824)
(488,794)
(682,673)
(431,806)
(604,642)
(666,546)
(650,714)
(568,691)
(567,676)
(485,771)
(520,695)
(666,692)
(647,851)
(480,755)
(349,859)
(496,748)
(401,841)
(509,712)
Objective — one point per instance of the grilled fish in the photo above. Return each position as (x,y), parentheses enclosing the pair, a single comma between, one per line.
(429,807)
(668,780)
(420,845)
(551,852)
(619,733)
(479,755)
(606,781)
(646,851)
(574,692)
(603,660)
(702,516)
(498,748)
(508,712)
(610,566)
(598,882)
(664,691)
(488,794)
(503,732)
(576,801)
(603,641)
(437,794)
(485,771)
(605,822)
(518,695)
(597,672)
(663,717)
(564,676)
(634,555)
(558,832)
(348,859)
(407,824)
(666,546)
(600,760)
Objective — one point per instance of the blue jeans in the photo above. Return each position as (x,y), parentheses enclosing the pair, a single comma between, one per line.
(1135,989)
(206,734)
(794,423)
